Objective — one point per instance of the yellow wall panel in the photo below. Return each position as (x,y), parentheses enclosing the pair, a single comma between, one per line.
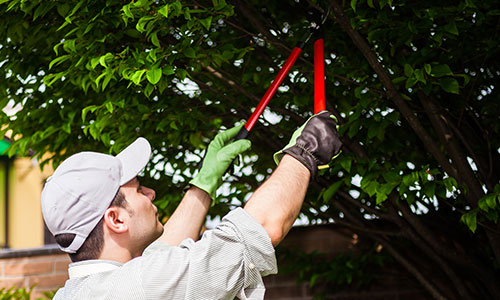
(25,216)
(2,202)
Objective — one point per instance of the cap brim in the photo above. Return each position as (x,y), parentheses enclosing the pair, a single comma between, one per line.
(133,159)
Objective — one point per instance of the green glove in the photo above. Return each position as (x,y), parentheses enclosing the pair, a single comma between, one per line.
(220,153)
(315,143)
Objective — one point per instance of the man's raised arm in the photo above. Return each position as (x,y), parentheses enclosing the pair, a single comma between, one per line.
(189,216)
(276,204)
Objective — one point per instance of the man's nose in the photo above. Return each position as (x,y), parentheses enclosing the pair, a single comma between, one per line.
(150,193)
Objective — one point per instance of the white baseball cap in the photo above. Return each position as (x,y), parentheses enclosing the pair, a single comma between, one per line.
(76,196)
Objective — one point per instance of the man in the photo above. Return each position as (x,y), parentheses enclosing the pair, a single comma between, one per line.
(101,215)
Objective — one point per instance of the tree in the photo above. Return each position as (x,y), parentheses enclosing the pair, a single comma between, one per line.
(413,86)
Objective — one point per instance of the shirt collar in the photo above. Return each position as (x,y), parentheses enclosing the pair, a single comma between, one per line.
(89,267)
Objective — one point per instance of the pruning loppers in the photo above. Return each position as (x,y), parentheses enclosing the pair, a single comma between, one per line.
(319,78)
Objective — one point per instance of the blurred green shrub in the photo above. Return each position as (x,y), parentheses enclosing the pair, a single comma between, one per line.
(15,293)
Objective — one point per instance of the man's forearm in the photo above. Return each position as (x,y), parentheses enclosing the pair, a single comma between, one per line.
(188,217)
(276,204)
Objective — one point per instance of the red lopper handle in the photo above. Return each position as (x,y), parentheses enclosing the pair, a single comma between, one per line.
(272,89)
(319,76)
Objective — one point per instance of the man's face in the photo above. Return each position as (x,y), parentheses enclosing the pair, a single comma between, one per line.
(144,226)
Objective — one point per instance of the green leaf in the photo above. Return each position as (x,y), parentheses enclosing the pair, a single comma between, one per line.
(411,82)
(69,45)
(449,84)
(62,9)
(56,48)
(109,106)
(58,60)
(391,177)
(450,183)
(77,7)
(482,204)
(149,89)
(440,70)
(93,131)
(386,188)
(408,70)
(51,78)
(152,56)
(137,77)
(181,74)
(102,61)
(127,12)
(206,22)
(11,4)
(492,215)
(369,186)
(373,131)
(196,141)
(168,70)
(428,68)
(99,78)
(470,219)
(86,110)
(154,75)
(381,197)
(142,23)
(313,280)
(67,128)
(353,4)
(173,125)
(346,164)
(491,200)
(108,77)
(451,28)
(429,190)
(419,74)
(155,40)
(331,190)
(164,11)
(94,62)
(106,139)
(411,27)
(189,52)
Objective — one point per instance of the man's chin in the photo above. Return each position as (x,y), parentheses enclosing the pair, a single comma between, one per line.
(160,231)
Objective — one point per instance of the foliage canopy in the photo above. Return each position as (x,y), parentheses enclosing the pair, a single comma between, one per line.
(413,85)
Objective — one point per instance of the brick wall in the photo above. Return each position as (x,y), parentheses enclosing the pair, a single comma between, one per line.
(44,268)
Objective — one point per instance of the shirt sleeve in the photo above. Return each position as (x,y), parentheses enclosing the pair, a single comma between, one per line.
(226,262)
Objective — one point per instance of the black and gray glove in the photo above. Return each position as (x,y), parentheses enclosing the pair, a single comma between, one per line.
(315,143)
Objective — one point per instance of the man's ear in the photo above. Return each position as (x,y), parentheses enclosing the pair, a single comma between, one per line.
(116,219)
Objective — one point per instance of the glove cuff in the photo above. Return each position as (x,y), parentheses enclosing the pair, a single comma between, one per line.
(305,157)
(203,185)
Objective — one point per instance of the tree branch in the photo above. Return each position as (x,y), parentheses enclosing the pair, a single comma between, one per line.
(287,50)
(480,165)
(371,210)
(356,228)
(421,278)
(463,166)
(392,92)
(430,241)
(448,140)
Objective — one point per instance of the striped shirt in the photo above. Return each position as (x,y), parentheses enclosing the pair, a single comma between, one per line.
(227,262)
